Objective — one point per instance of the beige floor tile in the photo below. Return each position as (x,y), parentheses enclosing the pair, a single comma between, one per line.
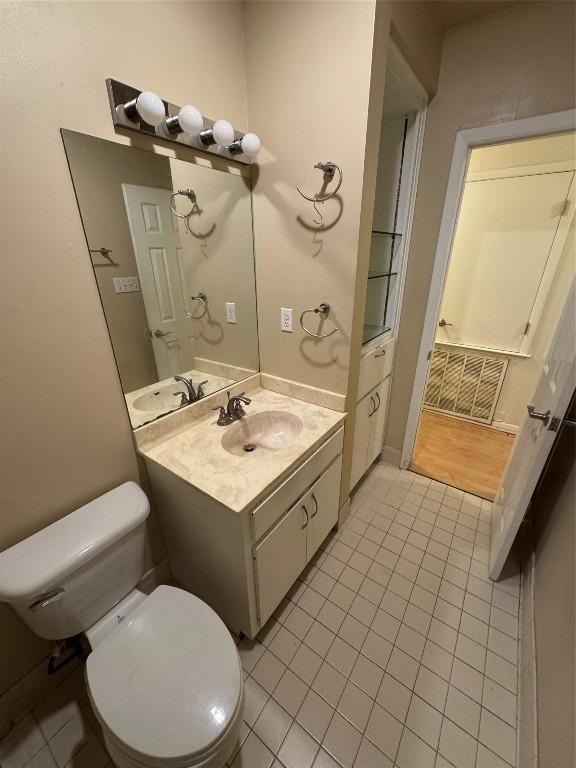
(457,746)
(253,754)
(329,683)
(268,671)
(463,711)
(432,688)
(306,663)
(355,705)
(342,741)
(498,736)
(315,715)
(369,756)
(272,725)
(394,697)
(414,752)
(424,721)
(367,675)
(290,692)
(384,731)
(255,698)
(319,638)
(342,656)
(500,702)
(299,748)
(403,667)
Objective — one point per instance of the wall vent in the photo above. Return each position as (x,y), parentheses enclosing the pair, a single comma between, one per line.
(464,385)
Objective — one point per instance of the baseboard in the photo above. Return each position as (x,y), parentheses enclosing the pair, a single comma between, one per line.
(323,397)
(504,427)
(527,732)
(344,513)
(391,455)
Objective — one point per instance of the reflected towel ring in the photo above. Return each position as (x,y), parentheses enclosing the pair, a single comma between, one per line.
(323,309)
(191,196)
(202,298)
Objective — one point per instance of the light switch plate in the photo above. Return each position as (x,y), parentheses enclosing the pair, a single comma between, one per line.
(230,312)
(286,319)
(126,284)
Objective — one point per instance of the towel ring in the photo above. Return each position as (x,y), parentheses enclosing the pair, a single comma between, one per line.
(323,309)
(202,298)
(191,195)
(329,169)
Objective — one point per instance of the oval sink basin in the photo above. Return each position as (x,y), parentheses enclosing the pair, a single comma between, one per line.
(266,431)
(164,398)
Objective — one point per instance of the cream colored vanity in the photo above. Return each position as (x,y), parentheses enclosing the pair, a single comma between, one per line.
(240,526)
(372,407)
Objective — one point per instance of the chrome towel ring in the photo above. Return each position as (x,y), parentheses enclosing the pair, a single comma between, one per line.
(329,170)
(191,196)
(202,298)
(323,309)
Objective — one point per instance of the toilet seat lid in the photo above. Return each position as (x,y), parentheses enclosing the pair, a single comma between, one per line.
(168,680)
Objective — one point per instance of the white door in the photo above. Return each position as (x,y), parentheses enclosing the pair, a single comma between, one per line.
(322,505)
(378,420)
(534,442)
(506,229)
(280,559)
(156,244)
(364,411)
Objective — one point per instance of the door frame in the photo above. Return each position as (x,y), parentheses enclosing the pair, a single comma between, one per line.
(466,140)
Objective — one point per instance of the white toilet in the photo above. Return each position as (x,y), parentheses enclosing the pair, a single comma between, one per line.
(164,676)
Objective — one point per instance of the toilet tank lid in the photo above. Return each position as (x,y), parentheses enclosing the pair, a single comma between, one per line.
(42,560)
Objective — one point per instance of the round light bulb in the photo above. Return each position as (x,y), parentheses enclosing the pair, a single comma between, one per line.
(150,107)
(250,144)
(223,133)
(190,119)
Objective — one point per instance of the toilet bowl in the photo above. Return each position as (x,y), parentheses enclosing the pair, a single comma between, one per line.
(166,684)
(164,675)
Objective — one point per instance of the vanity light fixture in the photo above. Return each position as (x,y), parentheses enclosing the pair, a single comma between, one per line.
(221,133)
(189,120)
(249,144)
(146,113)
(147,106)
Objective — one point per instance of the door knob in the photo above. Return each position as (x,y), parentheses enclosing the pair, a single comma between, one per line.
(534,414)
(161,334)
(443,323)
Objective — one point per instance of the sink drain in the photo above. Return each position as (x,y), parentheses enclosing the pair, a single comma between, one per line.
(248,448)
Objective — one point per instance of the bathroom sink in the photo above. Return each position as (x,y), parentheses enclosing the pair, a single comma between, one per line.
(259,432)
(165,397)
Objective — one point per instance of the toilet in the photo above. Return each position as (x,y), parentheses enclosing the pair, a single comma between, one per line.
(163,675)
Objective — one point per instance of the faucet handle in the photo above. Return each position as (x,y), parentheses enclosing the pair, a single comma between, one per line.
(200,389)
(223,418)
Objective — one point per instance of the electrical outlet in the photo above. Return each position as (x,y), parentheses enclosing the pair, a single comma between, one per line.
(286,319)
(230,312)
(126,284)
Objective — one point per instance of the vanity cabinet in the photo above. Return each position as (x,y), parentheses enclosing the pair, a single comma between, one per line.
(372,408)
(284,552)
(242,563)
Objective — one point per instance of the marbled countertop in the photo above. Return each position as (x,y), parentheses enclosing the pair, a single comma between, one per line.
(196,453)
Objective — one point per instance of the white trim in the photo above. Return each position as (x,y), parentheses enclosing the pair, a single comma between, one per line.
(490,350)
(563,166)
(502,426)
(497,133)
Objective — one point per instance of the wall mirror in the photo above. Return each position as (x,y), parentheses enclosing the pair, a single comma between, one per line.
(172,248)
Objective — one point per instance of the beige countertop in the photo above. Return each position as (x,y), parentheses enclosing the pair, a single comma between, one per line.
(195,453)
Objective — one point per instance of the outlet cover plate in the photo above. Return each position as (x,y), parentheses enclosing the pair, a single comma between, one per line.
(286,319)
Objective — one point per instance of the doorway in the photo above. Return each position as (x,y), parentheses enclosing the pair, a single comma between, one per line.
(510,267)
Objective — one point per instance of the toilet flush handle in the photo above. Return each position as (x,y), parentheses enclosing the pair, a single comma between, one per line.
(47,599)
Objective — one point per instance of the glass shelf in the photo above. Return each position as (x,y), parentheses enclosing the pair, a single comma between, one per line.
(372,331)
(374,273)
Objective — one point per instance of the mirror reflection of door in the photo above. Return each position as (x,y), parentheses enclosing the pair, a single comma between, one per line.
(157,249)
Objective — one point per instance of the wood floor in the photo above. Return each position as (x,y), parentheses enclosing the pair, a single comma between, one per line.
(468,456)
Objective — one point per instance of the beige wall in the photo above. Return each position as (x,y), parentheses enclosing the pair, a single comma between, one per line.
(221,264)
(66,432)
(553,515)
(308,93)
(417,31)
(512,64)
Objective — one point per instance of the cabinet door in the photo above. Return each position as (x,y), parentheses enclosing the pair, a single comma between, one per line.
(322,503)
(361,437)
(378,420)
(280,558)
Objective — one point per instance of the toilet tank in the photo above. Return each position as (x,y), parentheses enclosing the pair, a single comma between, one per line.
(65,577)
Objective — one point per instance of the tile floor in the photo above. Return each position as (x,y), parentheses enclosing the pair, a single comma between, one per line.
(393,649)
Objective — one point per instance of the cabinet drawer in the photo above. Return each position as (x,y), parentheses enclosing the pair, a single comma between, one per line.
(275,505)
(375,366)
